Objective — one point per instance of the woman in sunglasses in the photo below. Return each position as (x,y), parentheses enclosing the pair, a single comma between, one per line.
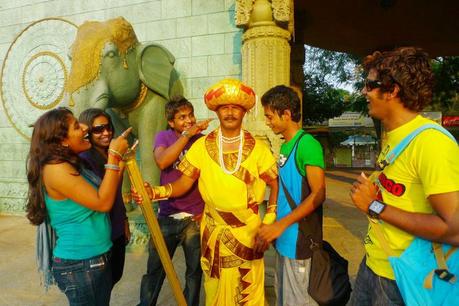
(100,136)
(74,202)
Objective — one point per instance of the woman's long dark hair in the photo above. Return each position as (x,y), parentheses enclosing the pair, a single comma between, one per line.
(46,148)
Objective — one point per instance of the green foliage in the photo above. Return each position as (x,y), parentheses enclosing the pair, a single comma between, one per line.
(325,71)
(322,101)
(446,90)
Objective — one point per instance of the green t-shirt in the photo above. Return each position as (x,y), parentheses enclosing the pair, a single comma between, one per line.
(309,152)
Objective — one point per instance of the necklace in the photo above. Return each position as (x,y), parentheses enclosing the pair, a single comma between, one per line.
(231,139)
(220,153)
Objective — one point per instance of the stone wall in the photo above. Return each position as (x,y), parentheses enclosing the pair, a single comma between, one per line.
(200,33)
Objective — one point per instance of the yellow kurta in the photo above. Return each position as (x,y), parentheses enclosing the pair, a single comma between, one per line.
(233,271)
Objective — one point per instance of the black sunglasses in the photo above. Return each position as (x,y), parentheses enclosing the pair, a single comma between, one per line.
(372,84)
(99,129)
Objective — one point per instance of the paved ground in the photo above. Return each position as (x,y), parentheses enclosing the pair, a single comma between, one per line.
(20,283)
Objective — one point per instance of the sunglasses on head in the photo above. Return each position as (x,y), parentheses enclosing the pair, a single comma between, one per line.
(372,84)
(99,129)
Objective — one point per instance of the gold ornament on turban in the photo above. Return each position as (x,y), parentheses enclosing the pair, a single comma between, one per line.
(229,91)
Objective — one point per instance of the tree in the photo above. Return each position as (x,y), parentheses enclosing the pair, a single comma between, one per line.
(324,72)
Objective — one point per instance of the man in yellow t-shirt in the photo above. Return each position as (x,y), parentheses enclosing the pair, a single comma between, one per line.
(417,195)
(232,169)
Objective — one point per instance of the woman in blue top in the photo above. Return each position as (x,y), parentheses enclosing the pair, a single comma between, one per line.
(75,203)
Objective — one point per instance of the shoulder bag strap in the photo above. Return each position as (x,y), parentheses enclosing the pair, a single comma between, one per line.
(389,159)
(402,145)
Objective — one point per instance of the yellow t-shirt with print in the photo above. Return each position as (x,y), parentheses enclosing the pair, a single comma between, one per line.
(429,165)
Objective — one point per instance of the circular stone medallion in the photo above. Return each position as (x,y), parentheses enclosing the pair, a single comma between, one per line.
(34,72)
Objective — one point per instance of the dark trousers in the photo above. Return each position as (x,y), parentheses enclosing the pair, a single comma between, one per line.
(373,290)
(175,232)
(117,259)
(85,282)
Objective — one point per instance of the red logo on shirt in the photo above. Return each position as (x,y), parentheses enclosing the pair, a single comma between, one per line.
(396,189)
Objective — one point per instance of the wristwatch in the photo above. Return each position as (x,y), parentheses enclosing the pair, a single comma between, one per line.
(375,209)
(186,134)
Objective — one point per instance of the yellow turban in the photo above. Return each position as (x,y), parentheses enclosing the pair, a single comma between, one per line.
(229,91)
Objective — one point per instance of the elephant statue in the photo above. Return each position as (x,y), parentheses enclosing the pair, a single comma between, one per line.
(111,70)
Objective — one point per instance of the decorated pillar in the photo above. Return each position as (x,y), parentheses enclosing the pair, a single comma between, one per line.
(265,54)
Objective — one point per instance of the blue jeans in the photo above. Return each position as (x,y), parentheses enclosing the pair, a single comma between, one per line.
(371,289)
(85,282)
(175,232)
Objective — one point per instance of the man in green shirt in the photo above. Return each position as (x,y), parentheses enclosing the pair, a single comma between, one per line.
(301,174)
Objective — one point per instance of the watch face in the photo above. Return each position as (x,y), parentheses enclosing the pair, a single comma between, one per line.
(376,207)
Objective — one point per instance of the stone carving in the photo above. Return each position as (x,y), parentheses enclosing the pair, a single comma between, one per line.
(248,12)
(112,70)
(34,72)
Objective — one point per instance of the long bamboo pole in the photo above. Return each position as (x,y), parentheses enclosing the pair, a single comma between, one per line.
(153,226)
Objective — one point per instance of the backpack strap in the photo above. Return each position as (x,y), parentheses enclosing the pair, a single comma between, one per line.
(379,231)
(442,271)
(441,258)
(401,146)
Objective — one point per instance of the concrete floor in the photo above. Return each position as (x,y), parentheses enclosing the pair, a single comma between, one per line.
(344,226)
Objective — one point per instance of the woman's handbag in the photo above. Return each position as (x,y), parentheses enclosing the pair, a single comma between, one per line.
(328,277)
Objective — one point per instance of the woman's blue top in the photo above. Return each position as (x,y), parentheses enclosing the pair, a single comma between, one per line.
(82,233)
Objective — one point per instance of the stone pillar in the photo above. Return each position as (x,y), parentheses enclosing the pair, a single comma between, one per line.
(265,54)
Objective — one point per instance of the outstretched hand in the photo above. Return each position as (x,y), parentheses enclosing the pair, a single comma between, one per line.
(198,127)
(120,143)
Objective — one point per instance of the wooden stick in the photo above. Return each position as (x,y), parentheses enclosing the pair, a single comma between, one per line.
(153,226)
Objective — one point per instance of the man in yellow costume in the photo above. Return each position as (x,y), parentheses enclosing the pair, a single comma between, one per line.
(232,169)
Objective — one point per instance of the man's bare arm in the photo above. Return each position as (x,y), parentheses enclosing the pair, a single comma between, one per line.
(443,226)
(316,180)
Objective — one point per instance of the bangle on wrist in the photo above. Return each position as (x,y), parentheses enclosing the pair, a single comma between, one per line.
(112,167)
(115,153)
(118,159)
(271,208)
(161,192)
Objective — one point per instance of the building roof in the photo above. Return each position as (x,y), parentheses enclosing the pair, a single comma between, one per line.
(363,26)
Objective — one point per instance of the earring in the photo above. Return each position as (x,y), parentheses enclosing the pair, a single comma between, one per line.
(65,145)
(125,64)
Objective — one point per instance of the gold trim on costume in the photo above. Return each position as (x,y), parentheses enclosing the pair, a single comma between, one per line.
(270,174)
(188,169)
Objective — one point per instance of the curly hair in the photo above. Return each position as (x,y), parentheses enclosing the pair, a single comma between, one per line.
(281,98)
(46,148)
(409,68)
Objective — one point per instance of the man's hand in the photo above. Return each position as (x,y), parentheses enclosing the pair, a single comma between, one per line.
(198,127)
(270,232)
(137,197)
(260,245)
(363,192)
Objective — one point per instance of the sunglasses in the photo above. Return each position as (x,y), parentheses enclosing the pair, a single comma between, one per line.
(372,84)
(99,129)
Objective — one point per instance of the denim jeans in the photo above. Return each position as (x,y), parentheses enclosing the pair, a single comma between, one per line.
(371,289)
(175,232)
(85,282)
